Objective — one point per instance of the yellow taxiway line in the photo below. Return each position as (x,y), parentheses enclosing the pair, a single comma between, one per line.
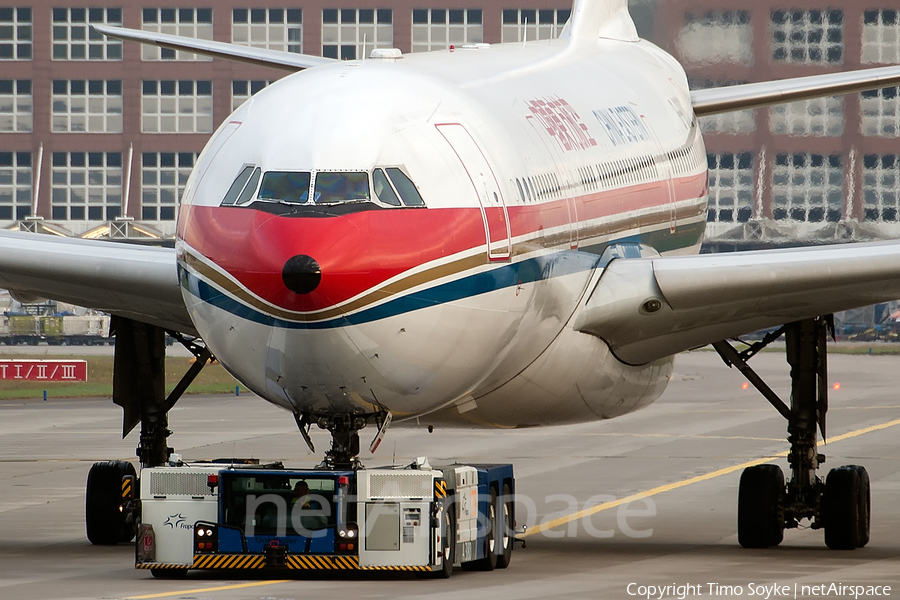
(680,484)
(222,588)
(568,518)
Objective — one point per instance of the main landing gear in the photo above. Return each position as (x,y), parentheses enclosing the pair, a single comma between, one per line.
(766,505)
(111,509)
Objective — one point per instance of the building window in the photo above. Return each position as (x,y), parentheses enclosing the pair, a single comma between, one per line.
(272,28)
(807,36)
(716,37)
(170,106)
(16,106)
(86,186)
(742,121)
(819,117)
(242,89)
(187,22)
(881,187)
(543,24)
(15,185)
(163,177)
(92,106)
(345,31)
(881,36)
(15,33)
(74,39)
(438,28)
(730,187)
(808,187)
(880,112)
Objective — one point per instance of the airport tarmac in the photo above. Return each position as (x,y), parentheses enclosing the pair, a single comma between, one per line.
(44,350)
(685,450)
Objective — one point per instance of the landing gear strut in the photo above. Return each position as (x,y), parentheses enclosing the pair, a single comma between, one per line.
(139,384)
(344,428)
(766,506)
(139,388)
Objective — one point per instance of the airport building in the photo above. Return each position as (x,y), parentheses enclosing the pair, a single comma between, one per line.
(807,172)
(97,137)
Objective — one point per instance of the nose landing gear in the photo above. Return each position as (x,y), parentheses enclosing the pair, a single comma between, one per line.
(344,428)
(766,506)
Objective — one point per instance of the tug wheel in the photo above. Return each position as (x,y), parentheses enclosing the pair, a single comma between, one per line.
(104,517)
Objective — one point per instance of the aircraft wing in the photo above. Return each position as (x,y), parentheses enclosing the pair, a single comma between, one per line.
(648,308)
(753,95)
(137,282)
(288,61)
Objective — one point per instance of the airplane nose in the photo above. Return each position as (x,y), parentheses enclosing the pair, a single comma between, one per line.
(301,274)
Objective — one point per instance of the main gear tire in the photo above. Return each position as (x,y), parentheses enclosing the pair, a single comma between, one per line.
(760,513)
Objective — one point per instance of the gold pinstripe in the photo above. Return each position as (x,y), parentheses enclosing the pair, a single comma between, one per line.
(225,282)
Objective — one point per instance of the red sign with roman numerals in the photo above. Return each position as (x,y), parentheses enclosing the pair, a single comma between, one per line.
(43,370)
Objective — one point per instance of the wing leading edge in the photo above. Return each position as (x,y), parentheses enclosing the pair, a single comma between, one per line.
(137,282)
(754,95)
(648,308)
(288,61)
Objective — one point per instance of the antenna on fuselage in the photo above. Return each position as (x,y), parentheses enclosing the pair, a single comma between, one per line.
(525,34)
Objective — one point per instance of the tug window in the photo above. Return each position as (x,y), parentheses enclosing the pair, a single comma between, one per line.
(285,186)
(332,188)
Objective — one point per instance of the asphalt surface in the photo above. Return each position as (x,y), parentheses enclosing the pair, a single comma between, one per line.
(42,350)
(685,451)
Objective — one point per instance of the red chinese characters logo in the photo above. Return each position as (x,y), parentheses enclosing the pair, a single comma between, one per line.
(44,370)
(562,123)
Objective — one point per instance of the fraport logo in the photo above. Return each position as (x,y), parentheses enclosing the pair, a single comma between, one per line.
(177,522)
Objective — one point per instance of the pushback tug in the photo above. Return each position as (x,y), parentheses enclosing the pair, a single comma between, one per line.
(238,514)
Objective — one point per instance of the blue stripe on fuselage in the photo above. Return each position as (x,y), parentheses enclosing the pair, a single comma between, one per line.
(503,276)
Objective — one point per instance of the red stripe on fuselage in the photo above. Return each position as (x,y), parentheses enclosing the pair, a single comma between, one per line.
(356,252)
(362,250)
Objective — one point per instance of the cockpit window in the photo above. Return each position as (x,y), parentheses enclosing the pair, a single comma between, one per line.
(285,186)
(383,189)
(250,188)
(238,186)
(285,192)
(405,187)
(332,188)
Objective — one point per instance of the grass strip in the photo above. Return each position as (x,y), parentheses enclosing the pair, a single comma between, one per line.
(213,379)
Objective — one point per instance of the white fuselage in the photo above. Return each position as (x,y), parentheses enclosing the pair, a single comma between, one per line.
(536,163)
